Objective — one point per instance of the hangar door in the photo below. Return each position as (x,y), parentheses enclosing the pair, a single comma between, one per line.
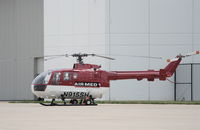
(187,82)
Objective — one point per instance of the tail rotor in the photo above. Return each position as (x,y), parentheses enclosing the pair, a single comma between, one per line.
(180,56)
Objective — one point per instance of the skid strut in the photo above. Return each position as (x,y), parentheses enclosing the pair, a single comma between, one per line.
(89,101)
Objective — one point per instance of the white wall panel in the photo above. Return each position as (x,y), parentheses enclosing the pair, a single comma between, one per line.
(51,8)
(171,39)
(129,16)
(196,16)
(171,16)
(129,90)
(124,39)
(96,12)
(80,16)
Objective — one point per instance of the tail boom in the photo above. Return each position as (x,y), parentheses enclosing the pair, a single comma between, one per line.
(150,75)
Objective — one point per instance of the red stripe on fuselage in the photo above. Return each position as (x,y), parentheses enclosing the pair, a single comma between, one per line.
(73,86)
(79,86)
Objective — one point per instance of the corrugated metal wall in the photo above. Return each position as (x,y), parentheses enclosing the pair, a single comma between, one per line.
(21,39)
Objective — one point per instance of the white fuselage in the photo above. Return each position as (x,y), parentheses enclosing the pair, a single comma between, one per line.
(70,92)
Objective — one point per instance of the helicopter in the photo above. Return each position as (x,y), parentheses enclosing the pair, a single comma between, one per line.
(86,82)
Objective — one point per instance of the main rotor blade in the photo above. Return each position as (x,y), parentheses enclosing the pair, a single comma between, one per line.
(152,57)
(102,56)
(56,55)
(51,58)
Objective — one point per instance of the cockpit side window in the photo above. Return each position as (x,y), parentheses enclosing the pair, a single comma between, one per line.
(56,78)
(40,79)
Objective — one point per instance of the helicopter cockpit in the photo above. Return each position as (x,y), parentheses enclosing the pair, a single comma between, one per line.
(40,82)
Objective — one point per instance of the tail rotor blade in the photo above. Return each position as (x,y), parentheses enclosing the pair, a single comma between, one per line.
(173,59)
(192,53)
(184,56)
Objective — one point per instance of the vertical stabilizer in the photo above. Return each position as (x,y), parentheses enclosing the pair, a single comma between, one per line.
(171,67)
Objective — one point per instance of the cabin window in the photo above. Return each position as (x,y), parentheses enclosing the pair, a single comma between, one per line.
(56,78)
(66,76)
(75,75)
(47,78)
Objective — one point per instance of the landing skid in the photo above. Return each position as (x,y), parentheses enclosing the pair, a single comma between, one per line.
(88,101)
(58,104)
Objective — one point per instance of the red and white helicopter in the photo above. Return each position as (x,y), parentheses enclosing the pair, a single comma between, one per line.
(86,82)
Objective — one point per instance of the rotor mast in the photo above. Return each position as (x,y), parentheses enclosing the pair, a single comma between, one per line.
(80,57)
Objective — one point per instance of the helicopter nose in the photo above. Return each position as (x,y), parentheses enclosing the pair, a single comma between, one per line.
(33,91)
(32,88)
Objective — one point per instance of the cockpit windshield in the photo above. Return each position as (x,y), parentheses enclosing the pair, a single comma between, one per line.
(42,78)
